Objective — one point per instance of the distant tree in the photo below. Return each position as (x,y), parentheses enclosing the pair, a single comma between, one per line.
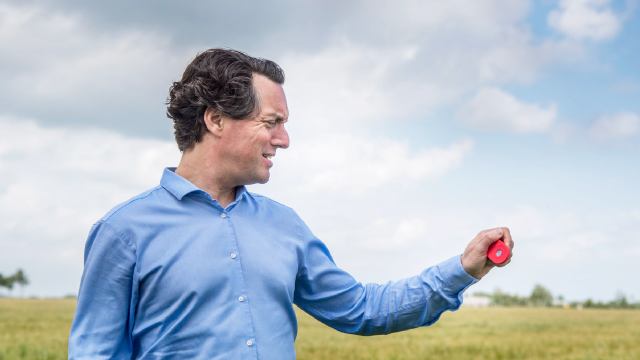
(620,301)
(22,280)
(540,296)
(503,299)
(7,282)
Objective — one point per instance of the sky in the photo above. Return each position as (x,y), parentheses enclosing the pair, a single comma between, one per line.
(414,125)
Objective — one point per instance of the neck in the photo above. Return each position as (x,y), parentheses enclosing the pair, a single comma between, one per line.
(199,168)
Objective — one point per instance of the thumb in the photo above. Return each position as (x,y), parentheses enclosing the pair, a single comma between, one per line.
(492,236)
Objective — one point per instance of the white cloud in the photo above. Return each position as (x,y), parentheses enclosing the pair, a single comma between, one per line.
(558,249)
(494,109)
(343,83)
(343,161)
(81,77)
(55,183)
(586,19)
(621,126)
(354,83)
(119,78)
(429,65)
(558,236)
(388,234)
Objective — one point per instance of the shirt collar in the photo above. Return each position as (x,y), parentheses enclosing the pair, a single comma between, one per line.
(240,191)
(180,187)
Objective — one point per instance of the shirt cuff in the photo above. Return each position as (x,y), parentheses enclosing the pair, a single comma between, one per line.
(455,277)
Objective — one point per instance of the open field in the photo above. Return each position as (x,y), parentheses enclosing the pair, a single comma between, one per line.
(489,333)
(38,329)
(35,329)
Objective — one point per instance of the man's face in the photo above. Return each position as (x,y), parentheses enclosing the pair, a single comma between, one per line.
(250,143)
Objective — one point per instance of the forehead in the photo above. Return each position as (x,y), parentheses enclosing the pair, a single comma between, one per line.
(272,97)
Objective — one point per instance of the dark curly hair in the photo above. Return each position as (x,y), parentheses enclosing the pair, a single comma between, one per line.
(222,80)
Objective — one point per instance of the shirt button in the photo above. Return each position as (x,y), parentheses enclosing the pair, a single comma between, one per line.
(223,215)
(249,343)
(233,256)
(241,299)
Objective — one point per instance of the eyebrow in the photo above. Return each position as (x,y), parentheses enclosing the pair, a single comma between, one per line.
(278,117)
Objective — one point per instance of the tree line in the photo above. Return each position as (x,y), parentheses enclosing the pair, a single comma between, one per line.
(19,277)
(541,296)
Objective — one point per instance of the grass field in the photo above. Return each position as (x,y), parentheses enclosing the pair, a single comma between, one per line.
(38,329)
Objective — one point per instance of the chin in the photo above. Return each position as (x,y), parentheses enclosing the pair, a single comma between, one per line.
(260,179)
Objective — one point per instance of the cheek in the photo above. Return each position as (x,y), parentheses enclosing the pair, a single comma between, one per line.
(247,148)
(248,154)
(238,147)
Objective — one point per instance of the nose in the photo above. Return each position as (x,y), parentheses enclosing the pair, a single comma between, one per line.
(281,138)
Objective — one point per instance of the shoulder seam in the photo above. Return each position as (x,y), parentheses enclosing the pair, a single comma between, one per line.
(119,236)
(270,199)
(130,201)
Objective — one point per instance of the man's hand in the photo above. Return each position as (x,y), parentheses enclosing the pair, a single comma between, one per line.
(475,261)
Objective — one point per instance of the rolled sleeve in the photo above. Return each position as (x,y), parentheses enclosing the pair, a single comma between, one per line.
(457,280)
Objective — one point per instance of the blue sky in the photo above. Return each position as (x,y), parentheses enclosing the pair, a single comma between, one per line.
(414,125)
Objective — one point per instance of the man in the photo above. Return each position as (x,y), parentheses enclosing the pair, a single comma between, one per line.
(199,268)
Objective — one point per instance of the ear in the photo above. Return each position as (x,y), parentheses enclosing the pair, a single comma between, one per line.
(213,121)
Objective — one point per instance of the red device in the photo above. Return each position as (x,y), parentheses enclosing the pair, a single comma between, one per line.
(498,252)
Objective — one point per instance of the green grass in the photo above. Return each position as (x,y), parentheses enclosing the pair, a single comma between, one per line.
(490,333)
(39,329)
(35,329)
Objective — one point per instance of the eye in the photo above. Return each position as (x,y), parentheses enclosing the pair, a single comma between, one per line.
(271,123)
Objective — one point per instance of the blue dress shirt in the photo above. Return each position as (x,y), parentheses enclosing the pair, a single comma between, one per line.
(171,274)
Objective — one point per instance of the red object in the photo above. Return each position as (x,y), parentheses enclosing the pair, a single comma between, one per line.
(498,252)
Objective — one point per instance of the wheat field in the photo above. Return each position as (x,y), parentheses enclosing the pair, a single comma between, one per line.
(38,329)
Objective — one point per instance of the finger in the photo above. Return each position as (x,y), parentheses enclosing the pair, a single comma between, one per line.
(508,240)
(482,233)
(491,236)
(504,263)
(508,260)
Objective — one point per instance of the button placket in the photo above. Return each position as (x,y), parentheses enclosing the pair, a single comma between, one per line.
(242,299)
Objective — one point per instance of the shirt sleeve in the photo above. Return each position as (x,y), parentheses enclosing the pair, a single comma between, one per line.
(102,323)
(336,299)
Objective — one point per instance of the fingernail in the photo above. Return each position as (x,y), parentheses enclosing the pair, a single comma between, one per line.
(499,232)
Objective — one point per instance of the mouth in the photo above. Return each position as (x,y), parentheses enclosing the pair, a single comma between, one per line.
(267,156)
